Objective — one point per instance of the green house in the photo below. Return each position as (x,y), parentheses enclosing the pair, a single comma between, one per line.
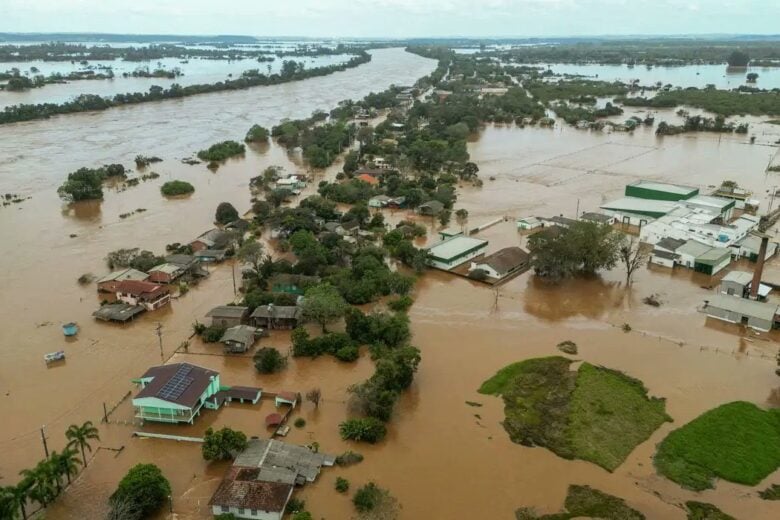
(175,393)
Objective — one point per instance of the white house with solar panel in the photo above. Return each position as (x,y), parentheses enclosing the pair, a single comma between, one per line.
(175,393)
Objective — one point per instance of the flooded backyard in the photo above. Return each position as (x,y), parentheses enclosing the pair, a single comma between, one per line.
(441,458)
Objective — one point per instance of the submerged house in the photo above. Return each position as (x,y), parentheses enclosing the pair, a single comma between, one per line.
(174,393)
(147,294)
(276,316)
(430,208)
(228,315)
(165,273)
(238,339)
(262,478)
(110,282)
(503,263)
(757,315)
(291,283)
(212,239)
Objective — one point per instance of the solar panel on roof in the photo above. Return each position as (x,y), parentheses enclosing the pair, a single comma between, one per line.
(177,384)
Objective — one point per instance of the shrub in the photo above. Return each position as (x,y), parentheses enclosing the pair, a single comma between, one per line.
(363,430)
(172,188)
(567,347)
(294,505)
(348,458)
(300,422)
(268,360)
(257,134)
(771,493)
(367,497)
(212,334)
(401,304)
(144,489)
(342,485)
(222,444)
(302,515)
(221,151)
(347,353)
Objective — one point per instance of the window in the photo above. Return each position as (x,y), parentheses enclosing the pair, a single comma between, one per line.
(253,512)
(240,510)
(225,509)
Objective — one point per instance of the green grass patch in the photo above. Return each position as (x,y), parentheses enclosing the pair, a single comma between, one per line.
(610,414)
(705,511)
(586,502)
(593,414)
(172,188)
(738,442)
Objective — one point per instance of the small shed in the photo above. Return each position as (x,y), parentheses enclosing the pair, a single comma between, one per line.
(238,339)
(713,261)
(228,315)
(288,398)
(528,223)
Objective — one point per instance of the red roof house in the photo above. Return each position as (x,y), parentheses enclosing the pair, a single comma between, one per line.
(150,295)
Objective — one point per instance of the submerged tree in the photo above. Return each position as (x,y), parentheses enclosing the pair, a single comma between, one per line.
(79,437)
(633,256)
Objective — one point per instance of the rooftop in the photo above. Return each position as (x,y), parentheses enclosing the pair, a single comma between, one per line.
(761,310)
(740,277)
(118,311)
(241,489)
(124,274)
(227,311)
(166,268)
(504,260)
(693,248)
(714,255)
(180,260)
(710,202)
(672,244)
(596,217)
(139,288)
(678,189)
(243,334)
(637,205)
(267,453)
(457,245)
(276,311)
(178,383)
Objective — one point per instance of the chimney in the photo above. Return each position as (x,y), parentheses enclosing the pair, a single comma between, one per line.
(759,270)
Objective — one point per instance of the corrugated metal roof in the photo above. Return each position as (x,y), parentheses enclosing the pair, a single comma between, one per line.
(637,205)
(455,246)
(662,186)
(761,310)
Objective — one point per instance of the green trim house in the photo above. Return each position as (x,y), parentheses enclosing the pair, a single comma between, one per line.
(175,393)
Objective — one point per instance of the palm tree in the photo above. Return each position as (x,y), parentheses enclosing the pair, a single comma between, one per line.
(19,495)
(66,462)
(39,483)
(80,436)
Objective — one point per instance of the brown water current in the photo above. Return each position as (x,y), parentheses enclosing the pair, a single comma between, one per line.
(442,458)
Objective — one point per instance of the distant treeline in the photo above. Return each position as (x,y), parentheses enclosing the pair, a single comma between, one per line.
(662,52)
(291,71)
(124,38)
(76,52)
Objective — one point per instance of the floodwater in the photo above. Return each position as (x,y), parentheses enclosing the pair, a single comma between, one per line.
(684,76)
(194,70)
(442,458)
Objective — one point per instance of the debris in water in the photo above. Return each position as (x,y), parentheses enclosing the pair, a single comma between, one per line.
(567,347)
(653,300)
(473,403)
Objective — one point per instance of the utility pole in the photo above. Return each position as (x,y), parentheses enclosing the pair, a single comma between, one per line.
(43,438)
(158,331)
(577,212)
(233,270)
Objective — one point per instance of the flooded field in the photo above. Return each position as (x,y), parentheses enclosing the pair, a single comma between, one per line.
(442,458)
(682,76)
(194,70)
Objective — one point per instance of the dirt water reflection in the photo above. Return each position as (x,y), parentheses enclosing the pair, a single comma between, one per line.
(440,460)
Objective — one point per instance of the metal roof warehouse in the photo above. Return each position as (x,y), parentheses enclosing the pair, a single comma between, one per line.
(455,251)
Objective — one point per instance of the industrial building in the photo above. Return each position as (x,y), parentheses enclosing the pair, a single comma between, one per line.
(756,315)
(455,251)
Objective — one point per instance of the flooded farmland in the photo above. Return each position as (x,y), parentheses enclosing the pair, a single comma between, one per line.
(442,458)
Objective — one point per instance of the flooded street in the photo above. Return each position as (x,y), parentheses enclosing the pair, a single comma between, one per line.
(441,458)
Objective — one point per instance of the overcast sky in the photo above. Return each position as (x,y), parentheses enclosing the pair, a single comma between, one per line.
(393,18)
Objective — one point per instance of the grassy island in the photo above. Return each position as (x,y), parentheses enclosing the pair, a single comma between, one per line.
(594,414)
(738,442)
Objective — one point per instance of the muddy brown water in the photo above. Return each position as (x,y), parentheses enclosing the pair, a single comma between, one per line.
(439,460)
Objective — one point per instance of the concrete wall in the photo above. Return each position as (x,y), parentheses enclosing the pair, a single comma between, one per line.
(248,513)
(662,261)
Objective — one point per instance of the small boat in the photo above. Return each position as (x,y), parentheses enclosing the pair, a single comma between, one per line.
(54,356)
(70,329)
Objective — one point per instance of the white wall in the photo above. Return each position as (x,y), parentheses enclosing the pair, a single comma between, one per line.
(259,515)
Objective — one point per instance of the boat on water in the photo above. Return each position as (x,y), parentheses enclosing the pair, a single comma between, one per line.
(70,329)
(54,356)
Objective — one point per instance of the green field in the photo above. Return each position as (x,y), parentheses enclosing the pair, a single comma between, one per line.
(738,442)
(586,502)
(593,414)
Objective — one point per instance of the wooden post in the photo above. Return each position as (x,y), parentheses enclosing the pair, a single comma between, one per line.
(105,413)
(45,447)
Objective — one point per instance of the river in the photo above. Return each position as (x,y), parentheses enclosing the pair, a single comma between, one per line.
(442,458)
